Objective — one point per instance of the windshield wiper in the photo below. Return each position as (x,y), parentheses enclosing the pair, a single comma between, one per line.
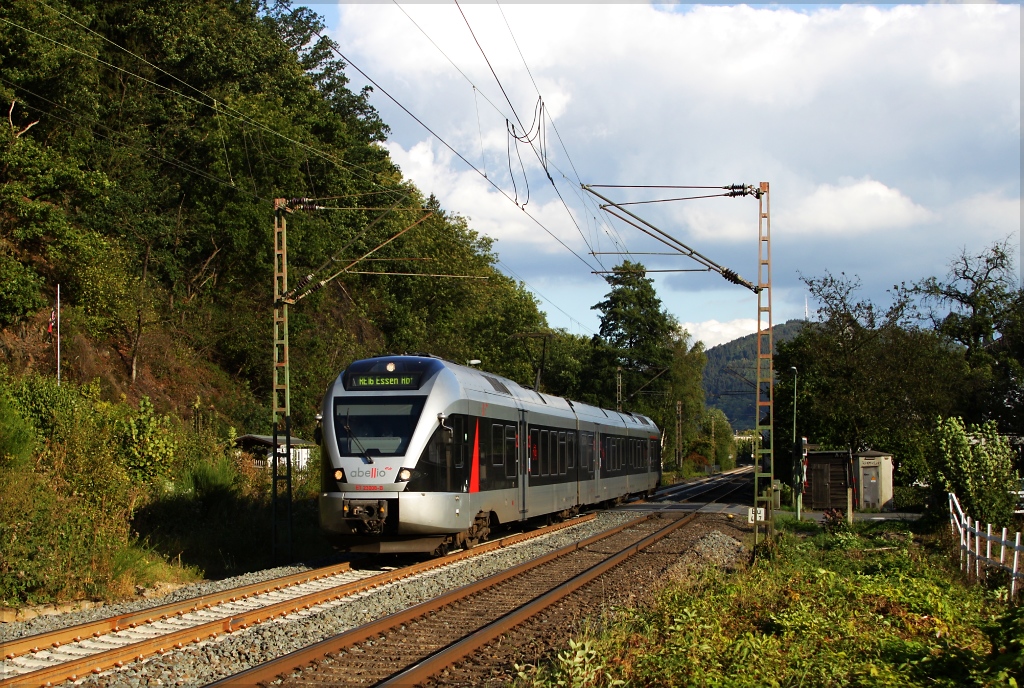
(348,430)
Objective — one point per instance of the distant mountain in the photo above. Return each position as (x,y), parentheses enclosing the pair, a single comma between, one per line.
(730,374)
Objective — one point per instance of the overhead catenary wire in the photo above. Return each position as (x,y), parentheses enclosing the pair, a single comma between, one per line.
(455,152)
(234,114)
(540,150)
(536,291)
(145,151)
(608,229)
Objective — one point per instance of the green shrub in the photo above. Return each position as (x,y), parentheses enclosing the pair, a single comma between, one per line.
(17,436)
(909,498)
(146,442)
(977,465)
(814,615)
(20,290)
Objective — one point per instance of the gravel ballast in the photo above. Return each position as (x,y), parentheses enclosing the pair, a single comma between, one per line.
(229,654)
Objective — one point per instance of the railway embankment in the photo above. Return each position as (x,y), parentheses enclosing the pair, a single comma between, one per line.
(883,604)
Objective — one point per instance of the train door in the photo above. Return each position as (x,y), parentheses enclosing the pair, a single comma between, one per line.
(524,465)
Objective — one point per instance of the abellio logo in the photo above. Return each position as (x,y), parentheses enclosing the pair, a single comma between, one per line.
(369,473)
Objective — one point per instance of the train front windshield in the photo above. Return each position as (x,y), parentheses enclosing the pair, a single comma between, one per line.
(379,426)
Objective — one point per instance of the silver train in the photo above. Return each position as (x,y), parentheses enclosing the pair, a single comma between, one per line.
(424,455)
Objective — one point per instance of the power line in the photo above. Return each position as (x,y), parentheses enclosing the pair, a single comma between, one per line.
(537,292)
(555,128)
(539,120)
(144,151)
(456,152)
(609,229)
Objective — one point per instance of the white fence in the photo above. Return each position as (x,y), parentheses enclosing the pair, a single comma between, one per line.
(975,557)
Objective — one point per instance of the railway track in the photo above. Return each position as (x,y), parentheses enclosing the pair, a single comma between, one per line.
(411,646)
(92,648)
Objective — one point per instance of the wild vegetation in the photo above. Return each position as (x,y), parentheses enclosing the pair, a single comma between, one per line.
(876,606)
(142,150)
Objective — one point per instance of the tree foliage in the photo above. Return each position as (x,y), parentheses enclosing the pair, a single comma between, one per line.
(659,365)
(867,376)
(976,464)
(978,306)
(138,172)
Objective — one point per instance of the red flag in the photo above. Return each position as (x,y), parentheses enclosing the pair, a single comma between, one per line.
(53,320)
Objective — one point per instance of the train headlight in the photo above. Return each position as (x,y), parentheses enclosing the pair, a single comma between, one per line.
(404,475)
(339,475)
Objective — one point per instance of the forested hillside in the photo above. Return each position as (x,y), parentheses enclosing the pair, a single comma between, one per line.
(141,180)
(729,377)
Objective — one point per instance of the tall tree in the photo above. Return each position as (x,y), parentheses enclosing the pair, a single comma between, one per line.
(659,365)
(978,306)
(867,377)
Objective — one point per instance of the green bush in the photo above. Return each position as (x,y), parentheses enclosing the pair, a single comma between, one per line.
(977,465)
(17,436)
(909,498)
(20,290)
(146,442)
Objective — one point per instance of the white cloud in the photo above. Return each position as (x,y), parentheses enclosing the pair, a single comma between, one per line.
(891,122)
(467,193)
(990,213)
(853,206)
(713,333)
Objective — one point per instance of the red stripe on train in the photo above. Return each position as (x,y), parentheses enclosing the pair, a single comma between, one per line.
(474,471)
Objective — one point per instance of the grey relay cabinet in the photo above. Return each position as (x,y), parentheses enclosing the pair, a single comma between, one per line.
(873,470)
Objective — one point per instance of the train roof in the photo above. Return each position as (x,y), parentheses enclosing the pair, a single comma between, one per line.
(489,385)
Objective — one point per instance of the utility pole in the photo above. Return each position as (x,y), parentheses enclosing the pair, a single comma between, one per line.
(764,465)
(618,389)
(281,485)
(798,486)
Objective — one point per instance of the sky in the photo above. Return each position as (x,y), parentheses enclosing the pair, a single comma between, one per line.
(890,137)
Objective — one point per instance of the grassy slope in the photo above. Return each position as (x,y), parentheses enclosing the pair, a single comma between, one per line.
(873,608)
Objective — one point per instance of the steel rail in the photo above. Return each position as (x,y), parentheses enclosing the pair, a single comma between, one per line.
(461,649)
(299,659)
(117,657)
(113,624)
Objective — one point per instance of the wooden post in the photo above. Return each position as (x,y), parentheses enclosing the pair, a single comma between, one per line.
(1002,548)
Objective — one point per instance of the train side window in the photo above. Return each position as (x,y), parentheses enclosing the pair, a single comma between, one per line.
(587,450)
(534,449)
(510,451)
(645,459)
(545,453)
(571,449)
(458,424)
(561,453)
(613,459)
(497,445)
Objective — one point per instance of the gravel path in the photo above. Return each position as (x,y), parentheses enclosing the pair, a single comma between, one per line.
(228,654)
